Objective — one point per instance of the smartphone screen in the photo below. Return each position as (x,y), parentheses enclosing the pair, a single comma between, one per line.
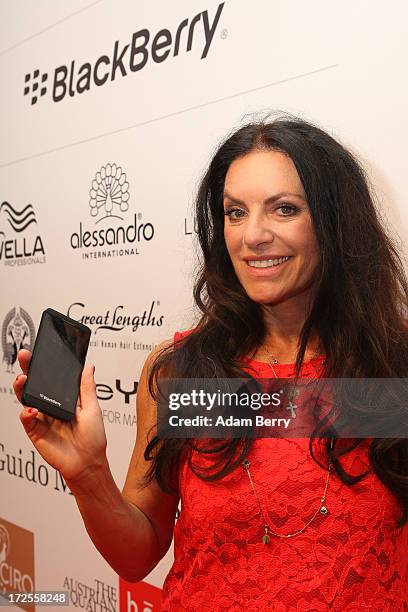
(56,365)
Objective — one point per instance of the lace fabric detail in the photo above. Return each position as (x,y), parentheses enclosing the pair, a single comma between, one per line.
(354,558)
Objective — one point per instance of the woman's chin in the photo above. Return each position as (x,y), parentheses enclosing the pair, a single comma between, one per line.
(265,299)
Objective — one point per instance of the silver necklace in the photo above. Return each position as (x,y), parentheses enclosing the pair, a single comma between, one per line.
(293,391)
(322,508)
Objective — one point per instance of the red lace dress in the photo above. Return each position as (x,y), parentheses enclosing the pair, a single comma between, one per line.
(352,559)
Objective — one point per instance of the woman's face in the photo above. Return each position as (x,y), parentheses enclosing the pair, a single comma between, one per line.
(267,217)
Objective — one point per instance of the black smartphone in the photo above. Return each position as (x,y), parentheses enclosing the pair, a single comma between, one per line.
(56,365)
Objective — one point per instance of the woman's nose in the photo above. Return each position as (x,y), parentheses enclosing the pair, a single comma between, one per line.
(257,230)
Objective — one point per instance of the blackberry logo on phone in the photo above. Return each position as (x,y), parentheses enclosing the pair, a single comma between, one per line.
(49,399)
(56,365)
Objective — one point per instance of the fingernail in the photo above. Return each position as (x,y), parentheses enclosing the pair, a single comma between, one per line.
(32,410)
(18,376)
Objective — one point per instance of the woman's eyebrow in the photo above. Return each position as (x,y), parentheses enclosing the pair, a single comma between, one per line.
(269,200)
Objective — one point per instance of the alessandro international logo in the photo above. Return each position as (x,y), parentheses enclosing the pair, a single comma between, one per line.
(20,243)
(69,80)
(117,233)
(17,332)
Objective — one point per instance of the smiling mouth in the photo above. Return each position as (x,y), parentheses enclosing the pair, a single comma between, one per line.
(267,263)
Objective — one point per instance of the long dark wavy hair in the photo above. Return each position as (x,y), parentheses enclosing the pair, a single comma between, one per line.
(358,312)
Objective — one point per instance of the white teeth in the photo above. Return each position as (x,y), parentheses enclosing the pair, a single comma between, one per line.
(267,263)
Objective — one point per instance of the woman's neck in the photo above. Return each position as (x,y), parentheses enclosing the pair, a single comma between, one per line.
(284,323)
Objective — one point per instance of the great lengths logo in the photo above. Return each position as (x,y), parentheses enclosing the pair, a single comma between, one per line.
(117,319)
(108,201)
(70,80)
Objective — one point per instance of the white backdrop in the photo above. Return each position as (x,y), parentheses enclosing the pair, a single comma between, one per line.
(340,64)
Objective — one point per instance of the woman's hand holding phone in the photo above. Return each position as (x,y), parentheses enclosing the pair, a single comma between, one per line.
(74,447)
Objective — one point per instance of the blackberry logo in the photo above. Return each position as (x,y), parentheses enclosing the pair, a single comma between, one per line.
(49,399)
(35,85)
(109,193)
(72,80)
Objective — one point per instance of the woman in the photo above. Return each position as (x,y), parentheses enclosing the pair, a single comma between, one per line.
(298,277)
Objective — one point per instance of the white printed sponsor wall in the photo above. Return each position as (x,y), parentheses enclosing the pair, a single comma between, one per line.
(109,114)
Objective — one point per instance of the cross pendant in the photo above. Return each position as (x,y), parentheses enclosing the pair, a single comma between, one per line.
(292,408)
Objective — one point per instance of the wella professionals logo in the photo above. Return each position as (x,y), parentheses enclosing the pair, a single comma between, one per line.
(16,561)
(117,233)
(144,47)
(17,332)
(20,243)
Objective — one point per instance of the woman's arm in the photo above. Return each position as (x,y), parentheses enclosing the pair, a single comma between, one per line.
(132,530)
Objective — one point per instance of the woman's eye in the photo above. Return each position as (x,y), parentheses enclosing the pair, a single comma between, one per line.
(231,213)
(289,208)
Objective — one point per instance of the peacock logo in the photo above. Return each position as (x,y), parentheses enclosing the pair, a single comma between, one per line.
(18,332)
(109,194)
